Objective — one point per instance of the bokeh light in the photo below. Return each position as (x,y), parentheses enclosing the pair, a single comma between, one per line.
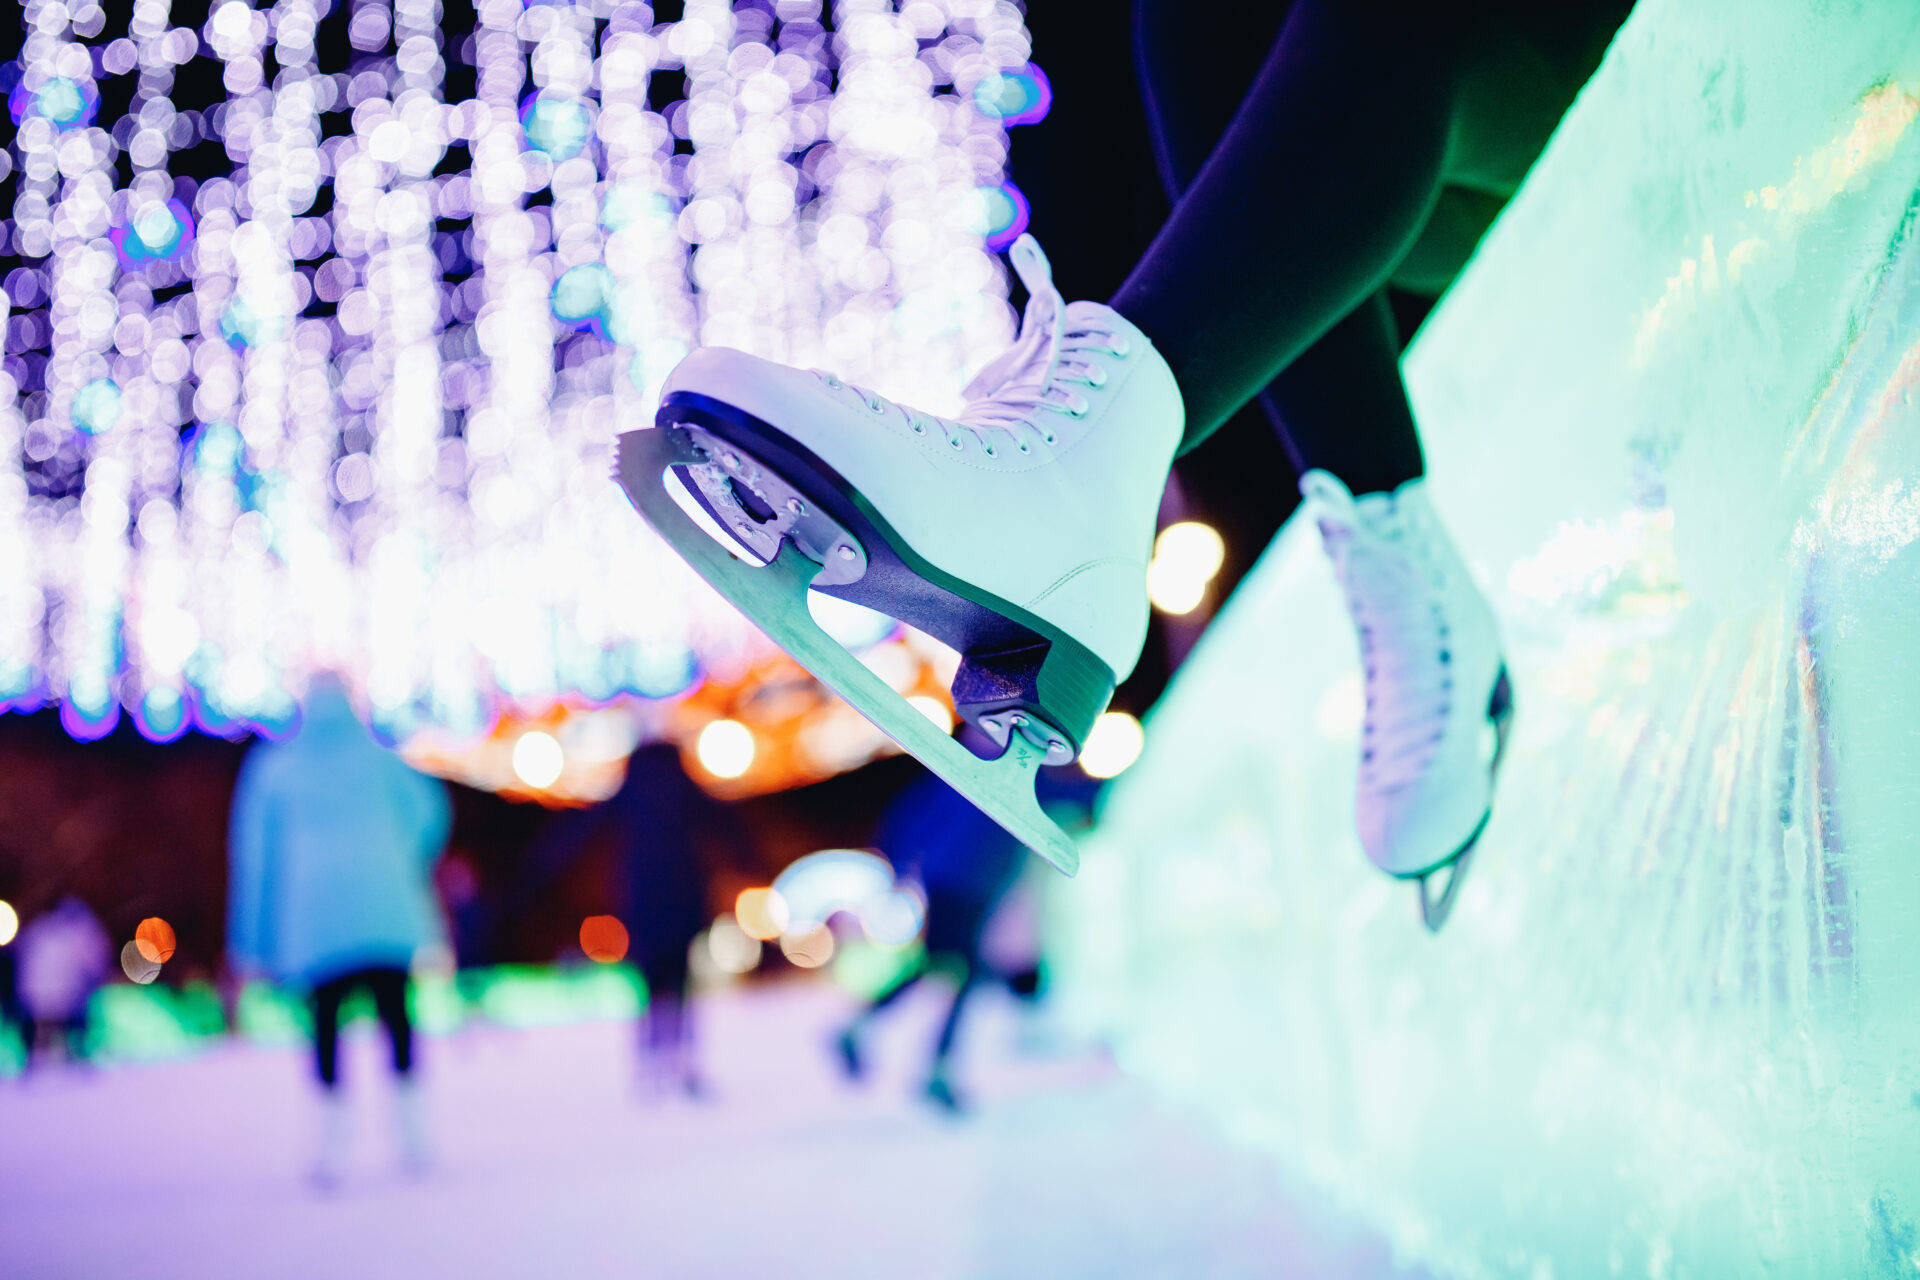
(1186,558)
(315,355)
(761,913)
(731,949)
(137,965)
(9,922)
(725,748)
(934,709)
(538,759)
(808,950)
(154,939)
(1114,742)
(604,939)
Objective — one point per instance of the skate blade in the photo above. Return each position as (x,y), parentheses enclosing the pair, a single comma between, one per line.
(1436,908)
(774,598)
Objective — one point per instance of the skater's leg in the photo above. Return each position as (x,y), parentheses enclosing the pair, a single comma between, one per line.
(968,979)
(389,988)
(1341,405)
(1265,205)
(326,1001)
(902,982)
(1499,79)
(846,1045)
(940,1088)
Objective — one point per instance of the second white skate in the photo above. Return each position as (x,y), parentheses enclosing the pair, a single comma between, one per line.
(1438,699)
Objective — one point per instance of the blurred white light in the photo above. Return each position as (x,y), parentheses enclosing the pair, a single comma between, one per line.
(761,913)
(854,626)
(725,748)
(808,950)
(538,760)
(816,886)
(1113,744)
(9,922)
(731,949)
(298,490)
(1186,556)
(894,919)
(933,709)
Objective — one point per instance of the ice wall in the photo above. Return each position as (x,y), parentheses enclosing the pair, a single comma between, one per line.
(1673,1028)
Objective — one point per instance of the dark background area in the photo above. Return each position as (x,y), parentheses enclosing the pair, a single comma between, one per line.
(139,829)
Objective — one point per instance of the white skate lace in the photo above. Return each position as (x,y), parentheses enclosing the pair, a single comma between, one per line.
(1036,375)
(1404,639)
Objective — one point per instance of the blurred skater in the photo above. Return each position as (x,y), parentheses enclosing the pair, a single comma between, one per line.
(966,863)
(333,842)
(662,823)
(64,957)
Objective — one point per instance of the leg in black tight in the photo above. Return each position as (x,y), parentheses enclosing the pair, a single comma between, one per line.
(1281,202)
(1467,98)
(1341,404)
(903,982)
(327,999)
(388,987)
(967,979)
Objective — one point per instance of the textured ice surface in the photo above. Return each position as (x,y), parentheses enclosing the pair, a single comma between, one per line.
(1673,1028)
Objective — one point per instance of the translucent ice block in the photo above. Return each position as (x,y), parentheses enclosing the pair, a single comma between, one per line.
(1673,1028)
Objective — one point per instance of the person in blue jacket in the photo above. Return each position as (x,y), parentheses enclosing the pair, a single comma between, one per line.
(332,845)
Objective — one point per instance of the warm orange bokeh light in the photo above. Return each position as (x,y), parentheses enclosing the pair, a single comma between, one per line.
(762,913)
(603,938)
(155,939)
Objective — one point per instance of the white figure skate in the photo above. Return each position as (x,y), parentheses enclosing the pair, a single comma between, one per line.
(1017,533)
(1438,699)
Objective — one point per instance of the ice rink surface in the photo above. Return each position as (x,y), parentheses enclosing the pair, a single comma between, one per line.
(551,1163)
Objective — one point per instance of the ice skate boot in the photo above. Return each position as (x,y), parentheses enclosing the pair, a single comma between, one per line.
(1017,532)
(1438,698)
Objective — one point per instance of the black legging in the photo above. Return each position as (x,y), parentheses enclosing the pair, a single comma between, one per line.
(388,987)
(1319,151)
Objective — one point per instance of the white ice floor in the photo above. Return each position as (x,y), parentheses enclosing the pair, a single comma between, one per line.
(551,1165)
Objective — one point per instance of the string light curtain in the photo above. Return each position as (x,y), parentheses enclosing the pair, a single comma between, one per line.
(319,366)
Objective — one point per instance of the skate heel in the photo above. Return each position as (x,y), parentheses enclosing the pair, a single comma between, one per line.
(1050,693)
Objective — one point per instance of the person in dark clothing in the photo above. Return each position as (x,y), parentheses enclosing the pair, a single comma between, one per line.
(966,863)
(662,822)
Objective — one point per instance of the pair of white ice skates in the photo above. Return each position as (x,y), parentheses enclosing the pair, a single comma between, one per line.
(1019,532)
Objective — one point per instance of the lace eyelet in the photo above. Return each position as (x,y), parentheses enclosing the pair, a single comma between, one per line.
(1121,348)
(1047,438)
(1097,378)
(956,443)
(1025,447)
(875,407)
(919,427)
(992,452)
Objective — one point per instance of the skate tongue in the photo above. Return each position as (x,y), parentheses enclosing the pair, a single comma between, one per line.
(1023,367)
